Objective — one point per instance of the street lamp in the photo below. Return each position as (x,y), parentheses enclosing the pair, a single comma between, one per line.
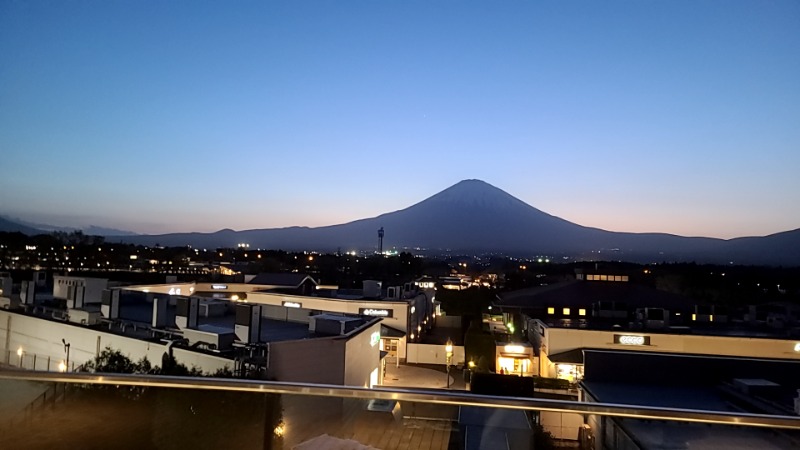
(448,348)
(66,349)
(19,353)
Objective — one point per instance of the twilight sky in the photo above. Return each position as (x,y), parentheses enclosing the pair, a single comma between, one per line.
(152,116)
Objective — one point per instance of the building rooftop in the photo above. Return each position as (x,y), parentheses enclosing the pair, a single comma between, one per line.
(287,280)
(579,293)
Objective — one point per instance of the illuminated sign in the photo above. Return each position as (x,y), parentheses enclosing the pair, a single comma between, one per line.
(797,347)
(292,305)
(514,349)
(217,287)
(629,339)
(374,338)
(375,312)
(174,291)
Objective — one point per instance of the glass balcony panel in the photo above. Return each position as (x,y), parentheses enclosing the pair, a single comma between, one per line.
(40,411)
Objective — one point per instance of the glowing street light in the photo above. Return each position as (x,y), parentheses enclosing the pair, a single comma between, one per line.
(20,353)
(66,349)
(448,348)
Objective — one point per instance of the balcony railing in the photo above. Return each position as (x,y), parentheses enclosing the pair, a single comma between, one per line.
(82,410)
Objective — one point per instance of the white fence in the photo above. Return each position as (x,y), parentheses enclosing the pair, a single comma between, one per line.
(42,345)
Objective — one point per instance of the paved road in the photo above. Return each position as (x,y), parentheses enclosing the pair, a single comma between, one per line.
(413,376)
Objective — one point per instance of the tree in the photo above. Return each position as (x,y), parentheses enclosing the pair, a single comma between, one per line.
(113,361)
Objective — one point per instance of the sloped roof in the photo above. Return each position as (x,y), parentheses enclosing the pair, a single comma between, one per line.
(281,279)
(391,332)
(569,357)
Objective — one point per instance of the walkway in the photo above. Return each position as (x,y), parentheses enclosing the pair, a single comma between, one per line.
(422,377)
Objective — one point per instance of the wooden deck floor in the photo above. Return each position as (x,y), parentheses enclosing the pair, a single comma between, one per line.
(309,417)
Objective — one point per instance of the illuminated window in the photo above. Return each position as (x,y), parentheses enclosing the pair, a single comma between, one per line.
(581,312)
(603,277)
(566,311)
(694,317)
(551,310)
(624,278)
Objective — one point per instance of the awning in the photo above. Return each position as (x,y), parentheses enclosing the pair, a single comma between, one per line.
(568,357)
(391,332)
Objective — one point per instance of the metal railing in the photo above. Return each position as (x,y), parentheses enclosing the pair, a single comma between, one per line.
(415,395)
(32,361)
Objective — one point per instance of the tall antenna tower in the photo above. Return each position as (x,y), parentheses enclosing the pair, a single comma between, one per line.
(380,241)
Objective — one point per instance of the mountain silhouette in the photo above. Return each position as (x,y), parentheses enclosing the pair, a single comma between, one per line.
(11,226)
(473,216)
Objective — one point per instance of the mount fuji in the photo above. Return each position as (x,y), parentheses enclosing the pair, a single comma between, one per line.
(473,216)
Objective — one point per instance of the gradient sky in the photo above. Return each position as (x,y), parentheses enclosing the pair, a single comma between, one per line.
(153,116)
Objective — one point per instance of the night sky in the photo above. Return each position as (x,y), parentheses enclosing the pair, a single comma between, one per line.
(161,116)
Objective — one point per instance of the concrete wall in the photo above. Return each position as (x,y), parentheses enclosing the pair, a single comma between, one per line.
(343,360)
(308,361)
(433,354)
(43,338)
(362,357)
(557,340)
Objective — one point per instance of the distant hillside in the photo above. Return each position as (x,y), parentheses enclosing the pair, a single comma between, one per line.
(473,216)
(10,226)
(38,228)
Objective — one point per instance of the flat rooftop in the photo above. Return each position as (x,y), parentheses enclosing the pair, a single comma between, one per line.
(650,434)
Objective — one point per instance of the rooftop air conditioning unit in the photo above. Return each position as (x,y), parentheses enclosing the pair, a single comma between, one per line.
(84,317)
(394,292)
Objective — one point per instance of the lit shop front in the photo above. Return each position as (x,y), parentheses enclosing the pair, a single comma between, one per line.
(515,359)
(568,365)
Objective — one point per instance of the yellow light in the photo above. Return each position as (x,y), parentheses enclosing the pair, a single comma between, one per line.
(471,364)
(551,310)
(581,312)
(797,347)
(711,318)
(694,317)
(234,297)
(19,352)
(449,346)
(62,366)
(514,348)
(566,311)
(280,429)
